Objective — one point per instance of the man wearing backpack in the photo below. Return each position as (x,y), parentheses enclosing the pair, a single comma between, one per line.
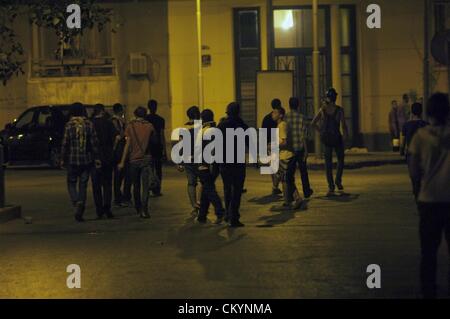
(79,152)
(330,122)
(138,136)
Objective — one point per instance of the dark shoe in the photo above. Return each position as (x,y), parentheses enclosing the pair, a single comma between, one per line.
(276,191)
(202,220)
(309,193)
(110,216)
(340,186)
(331,193)
(219,220)
(244,190)
(236,224)
(79,218)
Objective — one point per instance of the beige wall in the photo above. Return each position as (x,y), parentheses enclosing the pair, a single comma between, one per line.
(390,60)
(143,29)
(217,35)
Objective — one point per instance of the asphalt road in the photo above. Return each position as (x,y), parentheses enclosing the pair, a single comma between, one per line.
(322,252)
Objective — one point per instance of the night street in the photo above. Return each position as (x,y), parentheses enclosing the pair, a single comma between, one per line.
(322,252)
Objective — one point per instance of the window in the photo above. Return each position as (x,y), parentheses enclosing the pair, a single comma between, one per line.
(44,118)
(89,54)
(247,60)
(293,28)
(25,120)
(442,16)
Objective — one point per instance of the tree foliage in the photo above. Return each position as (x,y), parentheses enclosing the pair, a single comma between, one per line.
(11,50)
(48,14)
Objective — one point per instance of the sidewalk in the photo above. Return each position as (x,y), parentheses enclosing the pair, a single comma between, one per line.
(357,159)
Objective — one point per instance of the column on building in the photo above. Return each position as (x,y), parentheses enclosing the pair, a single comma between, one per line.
(336,50)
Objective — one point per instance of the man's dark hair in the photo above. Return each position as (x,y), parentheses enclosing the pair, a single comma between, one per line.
(276,103)
(405,97)
(140,112)
(417,109)
(152,106)
(233,109)
(294,103)
(77,109)
(98,108)
(207,115)
(117,108)
(438,108)
(332,94)
(193,113)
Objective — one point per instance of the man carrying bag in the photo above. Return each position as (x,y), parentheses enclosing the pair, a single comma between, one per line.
(138,136)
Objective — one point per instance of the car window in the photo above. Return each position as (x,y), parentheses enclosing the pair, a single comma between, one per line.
(25,120)
(44,118)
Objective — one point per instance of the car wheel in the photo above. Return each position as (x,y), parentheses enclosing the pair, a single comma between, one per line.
(55,158)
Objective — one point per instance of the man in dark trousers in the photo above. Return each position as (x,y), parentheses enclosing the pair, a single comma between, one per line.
(233,174)
(297,133)
(159,145)
(269,124)
(429,168)
(79,152)
(121,177)
(102,177)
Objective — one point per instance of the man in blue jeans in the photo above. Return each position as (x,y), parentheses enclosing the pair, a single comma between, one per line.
(79,151)
(137,151)
(296,132)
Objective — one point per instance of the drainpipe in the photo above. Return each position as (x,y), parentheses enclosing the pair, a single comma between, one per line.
(316,75)
(426,59)
(270,30)
(199,49)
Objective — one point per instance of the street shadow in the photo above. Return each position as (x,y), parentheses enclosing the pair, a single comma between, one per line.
(340,197)
(283,215)
(207,244)
(264,200)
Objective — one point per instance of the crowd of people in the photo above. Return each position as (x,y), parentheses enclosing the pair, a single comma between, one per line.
(130,156)
(116,155)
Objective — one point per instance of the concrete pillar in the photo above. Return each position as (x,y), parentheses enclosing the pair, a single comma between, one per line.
(336,51)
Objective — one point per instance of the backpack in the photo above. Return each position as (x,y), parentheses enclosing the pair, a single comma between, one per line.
(330,134)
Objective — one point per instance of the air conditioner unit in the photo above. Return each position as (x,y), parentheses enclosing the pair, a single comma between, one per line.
(138,64)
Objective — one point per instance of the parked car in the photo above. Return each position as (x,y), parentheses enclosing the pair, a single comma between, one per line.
(35,136)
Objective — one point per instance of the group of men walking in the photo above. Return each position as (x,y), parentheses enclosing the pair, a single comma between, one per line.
(105,148)
(293,135)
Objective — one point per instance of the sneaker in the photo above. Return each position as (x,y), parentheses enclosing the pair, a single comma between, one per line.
(276,191)
(202,220)
(236,224)
(195,211)
(331,193)
(309,193)
(145,215)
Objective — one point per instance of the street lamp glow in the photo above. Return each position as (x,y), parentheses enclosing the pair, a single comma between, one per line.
(288,22)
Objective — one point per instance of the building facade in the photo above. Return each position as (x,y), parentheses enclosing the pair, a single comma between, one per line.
(154,54)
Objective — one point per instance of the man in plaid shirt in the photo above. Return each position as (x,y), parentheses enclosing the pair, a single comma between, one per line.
(297,133)
(79,151)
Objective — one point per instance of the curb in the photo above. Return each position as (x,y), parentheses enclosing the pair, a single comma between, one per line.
(9,213)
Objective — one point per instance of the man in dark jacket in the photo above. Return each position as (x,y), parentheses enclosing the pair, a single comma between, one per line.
(233,174)
(269,124)
(102,177)
(159,144)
